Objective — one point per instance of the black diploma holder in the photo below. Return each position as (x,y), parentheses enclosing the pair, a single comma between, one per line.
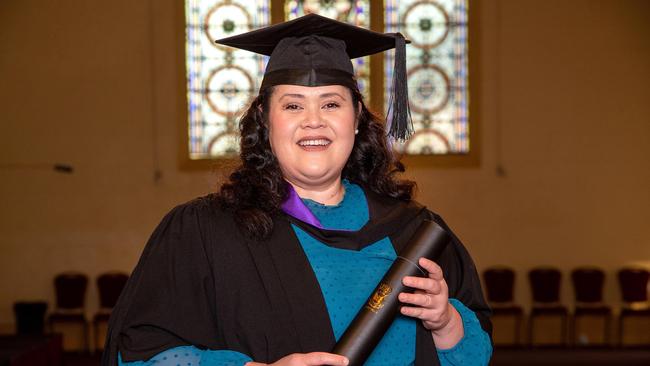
(377,314)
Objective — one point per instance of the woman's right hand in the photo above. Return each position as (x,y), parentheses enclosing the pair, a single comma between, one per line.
(306,359)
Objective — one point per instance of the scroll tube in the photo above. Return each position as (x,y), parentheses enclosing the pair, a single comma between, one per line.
(375,317)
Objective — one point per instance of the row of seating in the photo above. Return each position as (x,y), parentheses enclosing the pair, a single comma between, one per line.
(69,315)
(588,283)
(545,282)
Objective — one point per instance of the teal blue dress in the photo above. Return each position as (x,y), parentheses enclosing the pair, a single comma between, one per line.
(346,278)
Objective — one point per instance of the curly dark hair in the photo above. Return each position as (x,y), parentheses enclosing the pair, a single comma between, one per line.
(257,189)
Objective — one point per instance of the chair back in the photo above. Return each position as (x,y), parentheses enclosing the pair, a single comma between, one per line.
(588,284)
(30,317)
(499,284)
(634,284)
(545,284)
(110,286)
(70,290)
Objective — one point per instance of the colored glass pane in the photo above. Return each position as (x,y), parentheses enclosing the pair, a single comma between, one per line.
(221,81)
(437,73)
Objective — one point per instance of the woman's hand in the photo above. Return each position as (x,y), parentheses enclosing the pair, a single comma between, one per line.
(430,303)
(307,359)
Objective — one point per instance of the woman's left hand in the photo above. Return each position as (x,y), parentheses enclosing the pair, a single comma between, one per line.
(430,304)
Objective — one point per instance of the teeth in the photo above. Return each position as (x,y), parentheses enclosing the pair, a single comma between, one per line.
(319,142)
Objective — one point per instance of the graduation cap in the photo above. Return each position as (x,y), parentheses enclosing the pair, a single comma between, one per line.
(315,51)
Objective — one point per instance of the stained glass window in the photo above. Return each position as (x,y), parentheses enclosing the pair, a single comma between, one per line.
(350,11)
(437,72)
(221,81)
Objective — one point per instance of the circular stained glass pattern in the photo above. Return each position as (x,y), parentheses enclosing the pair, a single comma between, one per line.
(229,89)
(426,24)
(226,143)
(226,19)
(341,10)
(427,142)
(429,89)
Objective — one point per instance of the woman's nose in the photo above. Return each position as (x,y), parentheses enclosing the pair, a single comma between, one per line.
(313,119)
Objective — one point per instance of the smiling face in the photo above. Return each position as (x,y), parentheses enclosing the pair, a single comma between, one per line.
(311,132)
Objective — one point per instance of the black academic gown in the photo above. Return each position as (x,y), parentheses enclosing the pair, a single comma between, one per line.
(201,282)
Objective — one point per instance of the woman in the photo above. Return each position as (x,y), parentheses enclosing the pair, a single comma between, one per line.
(272,269)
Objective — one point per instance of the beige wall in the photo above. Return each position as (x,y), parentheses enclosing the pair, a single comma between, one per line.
(564,95)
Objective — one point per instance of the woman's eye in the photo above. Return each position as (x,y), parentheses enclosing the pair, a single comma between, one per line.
(331,105)
(292,107)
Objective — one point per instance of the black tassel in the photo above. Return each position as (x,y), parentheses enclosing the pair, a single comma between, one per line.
(401,126)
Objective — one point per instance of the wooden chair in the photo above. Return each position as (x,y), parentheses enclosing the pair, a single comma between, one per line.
(110,286)
(545,286)
(70,289)
(30,317)
(634,290)
(499,286)
(588,285)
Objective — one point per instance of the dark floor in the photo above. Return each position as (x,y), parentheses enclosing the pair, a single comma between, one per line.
(508,357)
(75,359)
(571,357)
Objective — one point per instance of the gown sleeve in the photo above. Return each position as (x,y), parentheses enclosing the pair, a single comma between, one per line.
(169,300)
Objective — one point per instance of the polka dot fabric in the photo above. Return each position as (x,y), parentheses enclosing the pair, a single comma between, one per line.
(183,356)
(347,277)
(191,356)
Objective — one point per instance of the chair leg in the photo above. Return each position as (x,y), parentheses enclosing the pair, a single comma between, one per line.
(564,336)
(86,340)
(608,330)
(518,321)
(531,321)
(95,336)
(571,337)
(620,330)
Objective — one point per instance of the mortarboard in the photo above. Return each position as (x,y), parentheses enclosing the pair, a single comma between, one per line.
(315,51)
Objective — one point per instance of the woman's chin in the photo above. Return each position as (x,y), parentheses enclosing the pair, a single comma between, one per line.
(318,175)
